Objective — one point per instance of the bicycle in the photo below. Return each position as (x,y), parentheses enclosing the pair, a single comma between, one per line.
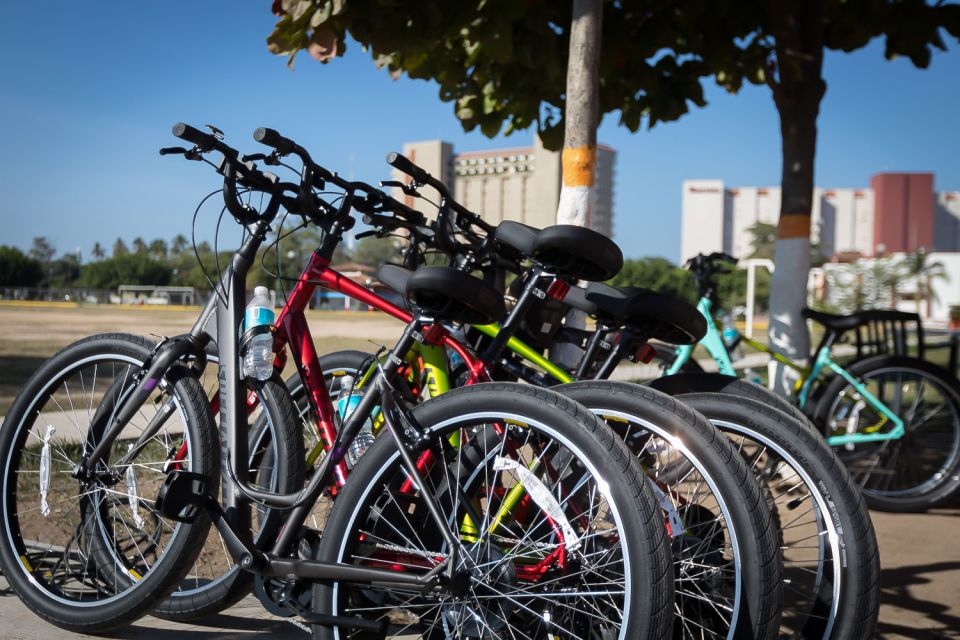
(894,420)
(840,595)
(438,574)
(759,600)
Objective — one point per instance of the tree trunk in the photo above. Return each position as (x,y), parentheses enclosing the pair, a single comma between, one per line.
(798,87)
(581,113)
(581,118)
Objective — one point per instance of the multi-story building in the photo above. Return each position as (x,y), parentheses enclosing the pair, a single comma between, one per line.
(900,212)
(521,184)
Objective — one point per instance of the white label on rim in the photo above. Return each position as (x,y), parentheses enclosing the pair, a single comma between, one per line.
(133,499)
(45,470)
(542,496)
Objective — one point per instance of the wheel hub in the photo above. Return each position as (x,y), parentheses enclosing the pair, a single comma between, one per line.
(477,609)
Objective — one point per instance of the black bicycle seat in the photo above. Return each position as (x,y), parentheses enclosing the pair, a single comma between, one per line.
(517,235)
(576,252)
(833,321)
(648,313)
(445,293)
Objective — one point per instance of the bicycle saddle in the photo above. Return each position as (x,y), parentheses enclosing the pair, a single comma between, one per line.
(445,293)
(577,252)
(654,315)
(833,321)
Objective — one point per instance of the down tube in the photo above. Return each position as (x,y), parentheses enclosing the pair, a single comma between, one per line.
(527,352)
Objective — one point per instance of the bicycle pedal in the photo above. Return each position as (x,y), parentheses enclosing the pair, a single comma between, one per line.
(183,496)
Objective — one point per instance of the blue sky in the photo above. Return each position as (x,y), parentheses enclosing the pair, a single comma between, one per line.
(89,90)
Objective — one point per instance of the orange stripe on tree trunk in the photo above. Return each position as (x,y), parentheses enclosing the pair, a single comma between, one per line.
(579,164)
(793,225)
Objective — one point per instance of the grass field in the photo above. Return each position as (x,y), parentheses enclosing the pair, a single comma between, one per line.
(30,334)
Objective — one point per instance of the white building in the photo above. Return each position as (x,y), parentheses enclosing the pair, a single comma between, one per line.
(520,184)
(719,218)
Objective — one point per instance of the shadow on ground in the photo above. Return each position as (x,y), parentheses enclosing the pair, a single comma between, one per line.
(896,585)
(14,372)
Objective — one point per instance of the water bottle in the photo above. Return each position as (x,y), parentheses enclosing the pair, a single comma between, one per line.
(258,352)
(346,404)
(731,337)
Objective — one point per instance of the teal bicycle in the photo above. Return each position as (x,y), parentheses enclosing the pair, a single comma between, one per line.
(894,420)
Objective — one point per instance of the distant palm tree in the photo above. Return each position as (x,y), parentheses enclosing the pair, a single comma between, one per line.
(120,248)
(179,244)
(158,248)
(98,251)
(920,267)
(139,246)
(889,274)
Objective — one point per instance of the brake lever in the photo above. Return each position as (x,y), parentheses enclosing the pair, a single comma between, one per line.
(195,153)
(408,189)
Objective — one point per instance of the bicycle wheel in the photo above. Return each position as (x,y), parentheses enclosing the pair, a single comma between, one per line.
(725,545)
(215,581)
(583,554)
(831,564)
(917,471)
(719,383)
(93,555)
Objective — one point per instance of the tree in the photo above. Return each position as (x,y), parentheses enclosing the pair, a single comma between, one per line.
(18,269)
(179,244)
(42,251)
(502,63)
(925,272)
(131,268)
(158,248)
(139,246)
(373,252)
(763,238)
(119,248)
(98,252)
(657,274)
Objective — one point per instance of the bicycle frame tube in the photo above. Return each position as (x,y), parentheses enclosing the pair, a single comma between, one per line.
(292,330)
(822,361)
(527,352)
(712,342)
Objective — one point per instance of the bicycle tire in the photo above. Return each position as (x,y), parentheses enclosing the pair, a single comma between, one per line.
(629,409)
(945,477)
(650,594)
(720,383)
(99,611)
(276,446)
(847,604)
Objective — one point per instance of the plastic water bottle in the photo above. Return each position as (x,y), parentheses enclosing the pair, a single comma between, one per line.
(731,337)
(346,404)
(258,352)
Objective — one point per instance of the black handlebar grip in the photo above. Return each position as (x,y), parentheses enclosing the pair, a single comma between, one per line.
(195,136)
(271,138)
(402,163)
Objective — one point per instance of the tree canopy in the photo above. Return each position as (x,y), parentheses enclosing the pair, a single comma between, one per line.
(503,63)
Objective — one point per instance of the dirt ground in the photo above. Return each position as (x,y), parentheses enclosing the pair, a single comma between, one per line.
(920,580)
(29,335)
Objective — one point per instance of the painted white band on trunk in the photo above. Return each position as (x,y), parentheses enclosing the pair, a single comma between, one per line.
(574,206)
